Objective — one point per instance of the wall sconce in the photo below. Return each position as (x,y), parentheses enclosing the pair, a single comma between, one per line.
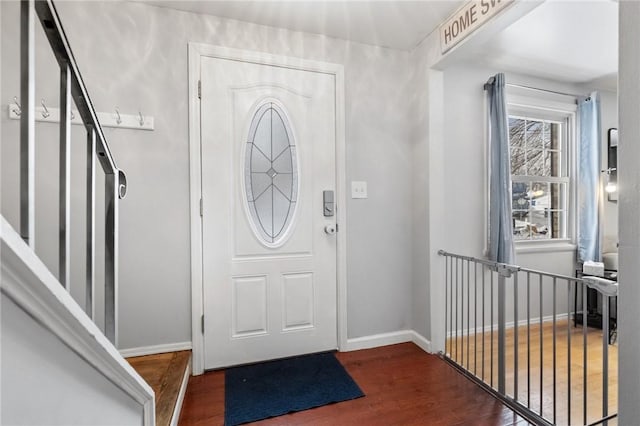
(612,162)
(612,184)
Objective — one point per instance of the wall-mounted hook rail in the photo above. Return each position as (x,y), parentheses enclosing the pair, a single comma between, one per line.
(45,112)
(17,109)
(106,119)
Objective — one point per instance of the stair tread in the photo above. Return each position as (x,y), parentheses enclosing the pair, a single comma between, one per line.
(164,373)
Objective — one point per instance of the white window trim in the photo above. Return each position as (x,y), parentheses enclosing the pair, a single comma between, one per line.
(543,108)
(555,108)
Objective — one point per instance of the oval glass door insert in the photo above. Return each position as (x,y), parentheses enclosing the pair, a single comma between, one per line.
(271,174)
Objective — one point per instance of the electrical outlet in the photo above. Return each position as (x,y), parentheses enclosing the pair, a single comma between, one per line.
(358,189)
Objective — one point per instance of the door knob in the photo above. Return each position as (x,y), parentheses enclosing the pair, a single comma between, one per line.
(330,229)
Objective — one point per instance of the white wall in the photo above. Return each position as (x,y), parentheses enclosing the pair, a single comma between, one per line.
(135,56)
(45,382)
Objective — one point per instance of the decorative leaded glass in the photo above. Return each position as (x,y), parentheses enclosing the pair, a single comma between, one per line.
(271,174)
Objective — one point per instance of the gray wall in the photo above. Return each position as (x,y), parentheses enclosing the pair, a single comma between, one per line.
(465,174)
(420,296)
(44,382)
(135,56)
(629,205)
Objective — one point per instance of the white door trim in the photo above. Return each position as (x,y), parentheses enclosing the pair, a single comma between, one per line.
(196,51)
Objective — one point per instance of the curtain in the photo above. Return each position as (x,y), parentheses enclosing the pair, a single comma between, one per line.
(589,179)
(500,218)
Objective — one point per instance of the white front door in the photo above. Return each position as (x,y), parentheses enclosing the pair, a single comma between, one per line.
(268,154)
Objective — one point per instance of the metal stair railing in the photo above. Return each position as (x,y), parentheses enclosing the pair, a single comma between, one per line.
(511,359)
(72,89)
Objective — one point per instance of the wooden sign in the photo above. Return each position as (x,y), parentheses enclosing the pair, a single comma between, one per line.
(467,19)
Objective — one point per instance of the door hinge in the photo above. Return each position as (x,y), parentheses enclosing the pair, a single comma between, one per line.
(336,227)
(201,208)
(199,89)
(202,323)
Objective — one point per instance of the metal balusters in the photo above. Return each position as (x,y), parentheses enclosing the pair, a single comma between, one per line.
(491,350)
(27,122)
(557,379)
(529,339)
(446,303)
(541,347)
(468,310)
(456,305)
(460,338)
(605,357)
(483,317)
(515,336)
(111,258)
(475,318)
(555,394)
(64,246)
(501,331)
(91,223)
(461,312)
(569,351)
(584,354)
(71,87)
(451,307)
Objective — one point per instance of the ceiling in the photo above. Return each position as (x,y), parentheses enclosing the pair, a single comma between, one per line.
(395,24)
(565,40)
(570,41)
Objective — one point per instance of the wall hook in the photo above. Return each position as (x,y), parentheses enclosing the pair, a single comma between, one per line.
(17,111)
(140,118)
(118,118)
(45,111)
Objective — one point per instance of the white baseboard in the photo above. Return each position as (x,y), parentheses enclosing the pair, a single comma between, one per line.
(175,417)
(156,349)
(377,340)
(421,341)
(384,339)
(511,324)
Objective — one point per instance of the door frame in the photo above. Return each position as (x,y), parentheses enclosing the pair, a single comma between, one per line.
(195,52)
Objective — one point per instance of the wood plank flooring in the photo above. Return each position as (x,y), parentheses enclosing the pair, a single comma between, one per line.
(164,373)
(403,386)
(568,361)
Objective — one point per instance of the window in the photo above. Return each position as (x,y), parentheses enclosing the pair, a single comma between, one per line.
(541,147)
(271,174)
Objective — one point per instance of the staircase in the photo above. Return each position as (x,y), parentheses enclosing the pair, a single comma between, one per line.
(168,375)
(60,364)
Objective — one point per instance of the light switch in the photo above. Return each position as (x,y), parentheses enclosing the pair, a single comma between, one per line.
(358,189)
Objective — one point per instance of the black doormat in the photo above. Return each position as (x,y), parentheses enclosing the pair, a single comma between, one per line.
(273,388)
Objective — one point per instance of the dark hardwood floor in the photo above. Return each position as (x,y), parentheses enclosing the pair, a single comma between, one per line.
(403,386)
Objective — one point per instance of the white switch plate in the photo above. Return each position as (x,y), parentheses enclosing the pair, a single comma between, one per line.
(358,189)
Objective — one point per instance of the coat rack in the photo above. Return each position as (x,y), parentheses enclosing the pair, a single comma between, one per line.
(113,119)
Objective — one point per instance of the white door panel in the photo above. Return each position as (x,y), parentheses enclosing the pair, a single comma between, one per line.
(269,268)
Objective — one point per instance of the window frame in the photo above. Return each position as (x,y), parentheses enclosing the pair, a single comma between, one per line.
(557,108)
